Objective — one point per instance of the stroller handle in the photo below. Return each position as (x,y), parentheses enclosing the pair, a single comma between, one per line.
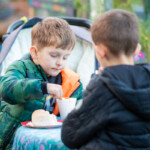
(78,21)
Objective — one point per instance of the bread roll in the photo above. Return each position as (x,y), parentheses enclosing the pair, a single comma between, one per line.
(41,117)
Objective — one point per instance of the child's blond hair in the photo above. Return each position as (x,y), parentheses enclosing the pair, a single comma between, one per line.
(53,32)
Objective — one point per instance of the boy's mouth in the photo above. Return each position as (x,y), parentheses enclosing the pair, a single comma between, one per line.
(56,69)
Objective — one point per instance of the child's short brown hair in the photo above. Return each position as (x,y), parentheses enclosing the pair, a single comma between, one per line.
(53,31)
(118,30)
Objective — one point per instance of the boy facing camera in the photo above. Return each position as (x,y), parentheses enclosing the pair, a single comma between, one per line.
(28,82)
(115,113)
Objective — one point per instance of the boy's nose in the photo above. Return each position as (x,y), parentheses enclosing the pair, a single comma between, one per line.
(59,62)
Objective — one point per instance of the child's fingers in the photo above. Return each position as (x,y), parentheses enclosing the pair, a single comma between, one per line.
(57,92)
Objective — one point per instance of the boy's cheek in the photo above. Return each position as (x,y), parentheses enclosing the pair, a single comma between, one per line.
(64,64)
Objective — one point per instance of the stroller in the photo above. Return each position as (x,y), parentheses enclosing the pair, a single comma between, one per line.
(17,42)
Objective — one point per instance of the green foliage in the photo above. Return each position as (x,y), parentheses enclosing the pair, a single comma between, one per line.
(78,7)
(145,38)
(81,7)
(121,4)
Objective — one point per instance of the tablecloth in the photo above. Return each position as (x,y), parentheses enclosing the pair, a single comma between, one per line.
(38,139)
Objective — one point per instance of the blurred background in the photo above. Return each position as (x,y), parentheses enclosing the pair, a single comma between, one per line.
(13,10)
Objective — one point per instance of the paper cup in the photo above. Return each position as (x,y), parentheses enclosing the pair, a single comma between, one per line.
(66,105)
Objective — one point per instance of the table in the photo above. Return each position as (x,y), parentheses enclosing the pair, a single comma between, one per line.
(38,139)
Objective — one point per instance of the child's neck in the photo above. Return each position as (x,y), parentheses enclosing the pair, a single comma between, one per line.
(121,60)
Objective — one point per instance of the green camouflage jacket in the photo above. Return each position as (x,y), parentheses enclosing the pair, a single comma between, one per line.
(21,94)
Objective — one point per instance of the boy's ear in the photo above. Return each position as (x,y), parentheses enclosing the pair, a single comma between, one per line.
(100,51)
(33,52)
(138,49)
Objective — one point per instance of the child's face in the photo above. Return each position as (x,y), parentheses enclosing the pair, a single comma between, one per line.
(52,60)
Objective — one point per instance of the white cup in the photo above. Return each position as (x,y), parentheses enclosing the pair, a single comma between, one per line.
(66,105)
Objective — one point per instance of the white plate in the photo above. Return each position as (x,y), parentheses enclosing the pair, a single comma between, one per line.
(30,125)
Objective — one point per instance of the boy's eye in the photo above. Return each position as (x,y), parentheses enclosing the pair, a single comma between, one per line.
(54,56)
(65,57)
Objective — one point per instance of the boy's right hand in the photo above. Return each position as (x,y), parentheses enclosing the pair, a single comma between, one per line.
(54,90)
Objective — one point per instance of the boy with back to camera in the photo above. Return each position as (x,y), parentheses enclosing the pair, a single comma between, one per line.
(115,114)
(26,83)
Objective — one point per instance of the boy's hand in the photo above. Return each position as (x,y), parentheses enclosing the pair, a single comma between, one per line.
(54,90)
(100,69)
